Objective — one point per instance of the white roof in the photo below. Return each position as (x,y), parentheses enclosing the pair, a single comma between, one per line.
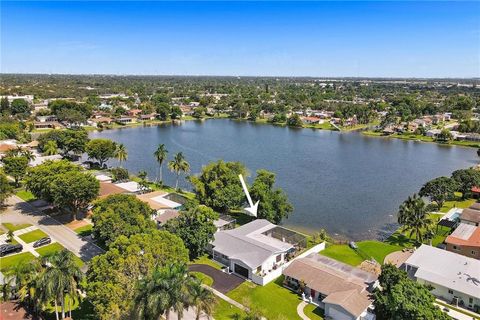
(41,159)
(464,231)
(447,269)
(248,243)
(166,202)
(130,186)
(103,177)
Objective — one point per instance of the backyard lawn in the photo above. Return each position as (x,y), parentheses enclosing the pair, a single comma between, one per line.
(456,204)
(367,249)
(272,300)
(15,227)
(11,261)
(85,230)
(33,236)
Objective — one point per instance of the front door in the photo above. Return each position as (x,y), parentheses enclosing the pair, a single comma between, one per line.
(312,293)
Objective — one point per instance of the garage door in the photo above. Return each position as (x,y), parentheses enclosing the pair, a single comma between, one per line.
(241,270)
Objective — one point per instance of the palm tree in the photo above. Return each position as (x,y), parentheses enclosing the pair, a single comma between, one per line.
(28,154)
(160,155)
(165,289)
(414,218)
(61,278)
(26,277)
(201,298)
(177,165)
(121,153)
(50,148)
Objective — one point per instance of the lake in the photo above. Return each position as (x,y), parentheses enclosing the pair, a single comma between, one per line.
(345,182)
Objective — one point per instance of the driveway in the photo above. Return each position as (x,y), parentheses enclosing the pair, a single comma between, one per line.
(19,211)
(222,281)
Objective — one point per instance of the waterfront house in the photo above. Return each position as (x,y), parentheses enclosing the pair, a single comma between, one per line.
(312,120)
(454,278)
(465,240)
(146,117)
(163,205)
(108,189)
(257,250)
(125,120)
(341,290)
(134,112)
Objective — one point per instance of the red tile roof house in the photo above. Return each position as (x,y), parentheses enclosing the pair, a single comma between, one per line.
(465,240)
(341,290)
(134,112)
(312,120)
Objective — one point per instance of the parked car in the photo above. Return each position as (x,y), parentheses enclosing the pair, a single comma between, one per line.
(10,248)
(42,242)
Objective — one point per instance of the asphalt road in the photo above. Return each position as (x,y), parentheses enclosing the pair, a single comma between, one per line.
(19,211)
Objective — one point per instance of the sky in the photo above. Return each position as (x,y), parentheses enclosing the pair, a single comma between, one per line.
(318,39)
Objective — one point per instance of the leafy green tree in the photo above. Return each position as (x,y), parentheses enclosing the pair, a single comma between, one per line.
(19,107)
(444,136)
(4,106)
(466,179)
(160,155)
(202,299)
(439,189)
(70,141)
(120,214)
(28,285)
(60,278)
(119,174)
(143,183)
(195,226)
(121,153)
(178,165)
(414,217)
(101,150)
(6,190)
(16,167)
(199,112)
(75,191)
(218,186)
(50,148)
(294,121)
(402,298)
(176,112)
(165,289)
(274,204)
(113,276)
(40,179)
(163,111)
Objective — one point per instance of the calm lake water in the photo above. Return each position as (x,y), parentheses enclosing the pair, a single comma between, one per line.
(347,183)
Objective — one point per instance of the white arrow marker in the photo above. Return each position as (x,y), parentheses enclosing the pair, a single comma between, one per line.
(253,207)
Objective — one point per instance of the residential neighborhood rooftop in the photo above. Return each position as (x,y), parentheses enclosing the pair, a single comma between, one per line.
(465,235)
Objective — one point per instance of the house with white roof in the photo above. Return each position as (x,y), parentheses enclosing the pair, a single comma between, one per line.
(454,277)
(257,250)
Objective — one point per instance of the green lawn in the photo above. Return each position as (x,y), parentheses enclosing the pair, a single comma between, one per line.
(33,236)
(15,227)
(55,247)
(272,300)
(26,195)
(206,260)
(84,311)
(11,261)
(313,312)
(203,277)
(85,230)
(367,249)
(225,311)
(456,204)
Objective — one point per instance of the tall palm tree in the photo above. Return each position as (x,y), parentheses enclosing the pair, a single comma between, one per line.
(414,218)
(178,165)
(121,153)
(50,148)
(61,278)
(165,289)
(201,298)
(27,283)
(160,155)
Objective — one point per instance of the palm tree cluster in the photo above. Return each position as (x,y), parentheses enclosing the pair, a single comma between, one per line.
(169,288)
(178,165)
(55,279)
(414,218)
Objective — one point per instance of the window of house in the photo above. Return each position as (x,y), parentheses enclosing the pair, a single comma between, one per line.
(474,253)
(450,291)
(455,248)
(470,300)
(279,257)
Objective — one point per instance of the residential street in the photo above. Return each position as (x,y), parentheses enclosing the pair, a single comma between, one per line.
(19,211)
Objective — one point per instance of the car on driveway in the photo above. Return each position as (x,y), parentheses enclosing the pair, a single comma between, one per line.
(42,242)
(6,249)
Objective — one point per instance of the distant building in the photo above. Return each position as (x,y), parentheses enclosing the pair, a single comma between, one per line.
(29,98)
(125,120)
(465,240)
(471,215)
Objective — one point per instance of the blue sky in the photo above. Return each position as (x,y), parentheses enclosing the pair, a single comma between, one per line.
(382,39)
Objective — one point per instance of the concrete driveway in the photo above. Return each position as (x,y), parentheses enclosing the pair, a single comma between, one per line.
(19,211)
(222,281)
